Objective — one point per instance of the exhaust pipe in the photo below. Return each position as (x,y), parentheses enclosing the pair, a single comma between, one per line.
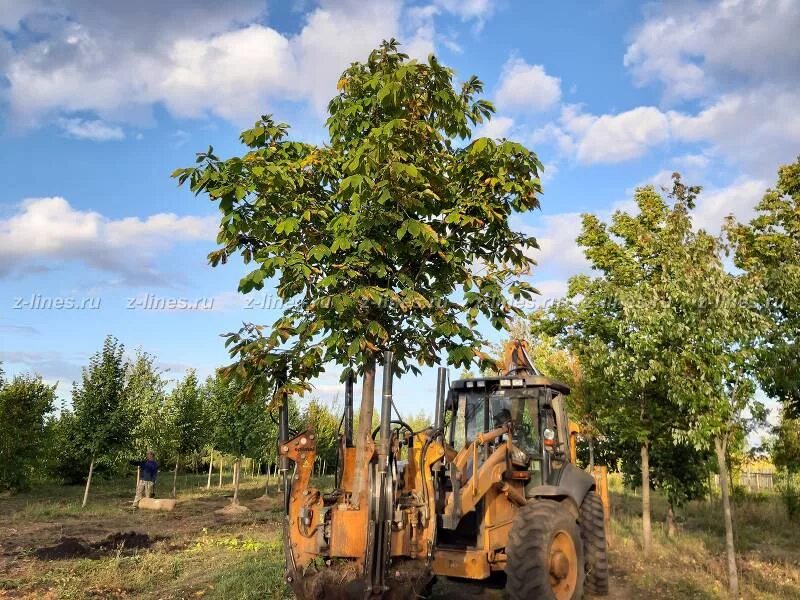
(441,397)
(386,409)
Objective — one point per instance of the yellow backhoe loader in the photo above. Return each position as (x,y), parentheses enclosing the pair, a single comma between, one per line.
(490,487)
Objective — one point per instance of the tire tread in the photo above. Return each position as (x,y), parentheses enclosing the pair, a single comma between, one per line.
(593,532)
(526,575)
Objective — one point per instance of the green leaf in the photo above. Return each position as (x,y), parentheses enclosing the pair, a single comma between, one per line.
(401,231)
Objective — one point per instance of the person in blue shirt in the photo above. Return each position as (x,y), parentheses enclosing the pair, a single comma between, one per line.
(148,471)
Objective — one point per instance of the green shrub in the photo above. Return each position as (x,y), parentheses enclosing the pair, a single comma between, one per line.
(788,485)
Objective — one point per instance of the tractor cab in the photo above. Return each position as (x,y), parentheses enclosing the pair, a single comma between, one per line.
(528,408)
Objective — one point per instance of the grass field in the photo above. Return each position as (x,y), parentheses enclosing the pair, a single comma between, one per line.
(195,553)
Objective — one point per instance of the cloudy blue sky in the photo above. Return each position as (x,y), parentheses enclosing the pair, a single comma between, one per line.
(100,101)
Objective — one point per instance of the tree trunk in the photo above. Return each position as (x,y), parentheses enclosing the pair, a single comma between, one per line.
(591,454)
(210,468)
(364,428)
(721,447)
(671,529)
(138,476)
(88,483)
(324,466)
(221,467)
(236,470)
(729,469)
(175,478)
(646,530)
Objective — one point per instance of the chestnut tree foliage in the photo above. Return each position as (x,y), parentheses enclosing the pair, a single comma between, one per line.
(392,235)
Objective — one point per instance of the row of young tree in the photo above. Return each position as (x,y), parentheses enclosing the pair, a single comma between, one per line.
(122,408)
(667,341)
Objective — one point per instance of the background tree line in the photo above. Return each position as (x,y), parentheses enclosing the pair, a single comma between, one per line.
(124,406)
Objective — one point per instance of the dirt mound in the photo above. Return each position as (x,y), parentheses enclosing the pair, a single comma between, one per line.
(233,510)
(72,547)
(265,502)
(67,547)
(128,540)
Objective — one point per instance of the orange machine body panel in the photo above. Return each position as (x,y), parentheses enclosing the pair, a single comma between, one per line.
(305,502)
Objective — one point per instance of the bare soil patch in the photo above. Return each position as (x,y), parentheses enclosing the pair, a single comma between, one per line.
(68,547)
(72,547)
(82,536)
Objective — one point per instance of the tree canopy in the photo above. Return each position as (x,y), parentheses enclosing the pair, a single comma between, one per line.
(393,235)
(667,332)
(768,249)
(103,423)
(25,403)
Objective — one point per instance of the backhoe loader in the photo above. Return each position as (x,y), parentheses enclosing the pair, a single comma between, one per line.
(491,487)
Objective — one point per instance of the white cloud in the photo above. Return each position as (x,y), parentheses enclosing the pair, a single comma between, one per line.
(49,229)
(559,256)
(738,199)
(661,180)
(335,35)
(575,120)
(758,129)
(736,127)
(552,133)
(606,138)
(228,63)
(96,130)
(498,127)
(549,172)
(620,137)
(714,204)
(550,289)
(420,19)
(468,9)
(738,58)
(707,46)
(527,87)
(558,252)
(692,161)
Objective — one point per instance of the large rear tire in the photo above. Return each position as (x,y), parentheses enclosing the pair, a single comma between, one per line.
(545,554)
(593,532)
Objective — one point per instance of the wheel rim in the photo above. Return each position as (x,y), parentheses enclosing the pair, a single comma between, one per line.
(563,566)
